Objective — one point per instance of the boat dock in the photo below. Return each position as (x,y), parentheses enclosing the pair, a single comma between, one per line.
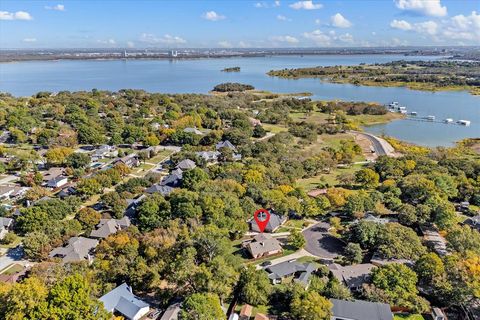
(449,121)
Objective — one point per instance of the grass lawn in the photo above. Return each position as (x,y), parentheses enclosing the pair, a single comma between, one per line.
(160,156)
(12,245)
(11,269)
(330,178)
(409,317)
(274,128)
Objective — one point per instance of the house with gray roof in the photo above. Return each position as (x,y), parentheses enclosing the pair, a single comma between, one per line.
(225,144)
(300,272)
(273,224)
(57,182)
(186,164)
(193,130)
(108,227)
(7,223)
(263,245)
(208,156)
(78,249)
(174,179)
(122,301)
(473,222)
(158,188)
(172,312)
(353,276)
(360,310)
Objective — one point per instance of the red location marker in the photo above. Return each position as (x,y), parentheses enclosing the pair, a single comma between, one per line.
(261,217)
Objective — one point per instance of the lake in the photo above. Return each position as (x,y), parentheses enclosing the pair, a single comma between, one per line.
(201,75)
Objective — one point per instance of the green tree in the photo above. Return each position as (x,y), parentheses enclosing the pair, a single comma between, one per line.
(78,160)
(309,305)
(36,245)
(255,287)
(88,217)
(202,306)
(192,178)
(367,178)
(89,187)
(399,286)
(429,267)
(152,212)
(353,253)
(296,239)
(464,239)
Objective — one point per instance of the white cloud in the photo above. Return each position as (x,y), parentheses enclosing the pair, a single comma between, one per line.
(276,4)
(243,44)
(30,40)
(318,37)
(285,39)
(401,24)
(425,7)
(19,15)
(166,39)
(58,7)
(347,37)
(427,27)
(261,5)
(318,21)
(283,18)
(340,21)
(462,27)
(108,41)
(306,5)
(225,44)
(213,16)
(130,44)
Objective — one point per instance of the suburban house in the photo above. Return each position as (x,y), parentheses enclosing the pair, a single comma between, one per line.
(273,224)
(157,188)
(300,272)
(208,156)
(12,191)
(6,191)
(378,260)
(353,276)
(186,164)
(473,222)
(174,179)
(67,191)
(78,249)
(246,312)
(434,240)
(225,144)
(263,245)
(108,227)
(104,151)
(130,160)
(122,301)
(172,312)
(57,182)
(193,130)
(52,173)
(360,310)
(7,223)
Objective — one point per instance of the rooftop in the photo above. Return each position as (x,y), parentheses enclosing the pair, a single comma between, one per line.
(360,310)
(122,300)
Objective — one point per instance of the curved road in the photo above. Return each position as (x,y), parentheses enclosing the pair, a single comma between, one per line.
(381,146)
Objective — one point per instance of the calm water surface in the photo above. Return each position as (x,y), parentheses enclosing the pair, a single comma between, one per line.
(200,76)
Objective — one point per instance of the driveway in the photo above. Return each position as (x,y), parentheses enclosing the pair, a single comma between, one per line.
(320,243)
(13,255)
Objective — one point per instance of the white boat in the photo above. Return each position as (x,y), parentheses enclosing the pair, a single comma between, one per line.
(464,122)
(413,113)
(448,120)
(430,118)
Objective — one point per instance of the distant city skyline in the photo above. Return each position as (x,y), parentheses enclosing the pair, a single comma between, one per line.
(238,24)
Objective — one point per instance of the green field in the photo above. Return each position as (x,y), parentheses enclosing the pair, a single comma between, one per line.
(409,317)
(330,178)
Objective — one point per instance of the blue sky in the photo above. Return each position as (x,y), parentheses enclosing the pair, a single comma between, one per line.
(233,23)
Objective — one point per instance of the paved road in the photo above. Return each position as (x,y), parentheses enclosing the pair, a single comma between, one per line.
(12,256)
(320,243)
(381,146)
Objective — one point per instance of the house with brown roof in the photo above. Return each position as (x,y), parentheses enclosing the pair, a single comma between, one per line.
(246,312)
(263,245)
(108,227)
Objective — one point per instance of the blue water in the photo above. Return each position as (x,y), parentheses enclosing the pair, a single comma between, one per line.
(200,76)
